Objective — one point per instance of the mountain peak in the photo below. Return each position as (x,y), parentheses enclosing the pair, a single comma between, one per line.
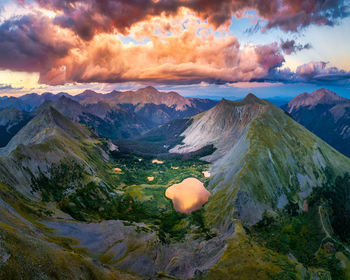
(88,91)
(320,96)
(66,101)
(150,97)
(325,93)
(222,124)
(149,89)
(28,96)
(50,116)
(62,93)
(47,94)
(63,97)
(85,95)
(47,123)
(251,98)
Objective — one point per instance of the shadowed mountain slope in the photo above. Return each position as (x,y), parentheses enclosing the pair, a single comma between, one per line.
(326,114)
(11,121)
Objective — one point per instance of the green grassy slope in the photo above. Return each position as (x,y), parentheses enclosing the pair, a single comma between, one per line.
(284,162)
(285,167)
(49,140)
(29,250)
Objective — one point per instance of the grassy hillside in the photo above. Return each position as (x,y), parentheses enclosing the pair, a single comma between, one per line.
(282,165)
(29,250)
(278,194)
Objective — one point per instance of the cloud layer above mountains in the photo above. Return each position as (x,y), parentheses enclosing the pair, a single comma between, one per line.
(160,41)
(87,18)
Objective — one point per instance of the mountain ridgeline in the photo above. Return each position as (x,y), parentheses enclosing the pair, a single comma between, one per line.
(326,114)
(95,208)
(116,115)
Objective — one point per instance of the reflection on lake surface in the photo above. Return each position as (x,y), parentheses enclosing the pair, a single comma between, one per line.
(188,196)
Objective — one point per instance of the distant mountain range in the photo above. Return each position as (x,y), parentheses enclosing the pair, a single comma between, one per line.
(114,115)
(140,98)
(121,115)
(324,113)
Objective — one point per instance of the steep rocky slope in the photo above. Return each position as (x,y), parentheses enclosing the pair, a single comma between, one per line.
(49,138)
(263,159)
(326,114)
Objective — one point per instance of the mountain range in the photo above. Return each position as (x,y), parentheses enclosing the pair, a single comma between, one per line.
(326,114)
(75,205)
(114,115)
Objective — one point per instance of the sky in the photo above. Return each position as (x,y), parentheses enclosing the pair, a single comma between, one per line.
(222,48)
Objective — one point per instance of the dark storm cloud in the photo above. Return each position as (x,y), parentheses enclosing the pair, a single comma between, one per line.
(290,46)
(89,17)
(78,44)
(28,43)
(297,14)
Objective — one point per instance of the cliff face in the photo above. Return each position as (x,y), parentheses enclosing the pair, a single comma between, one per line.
(221,126)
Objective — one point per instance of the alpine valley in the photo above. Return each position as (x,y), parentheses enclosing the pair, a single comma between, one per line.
(83,183)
